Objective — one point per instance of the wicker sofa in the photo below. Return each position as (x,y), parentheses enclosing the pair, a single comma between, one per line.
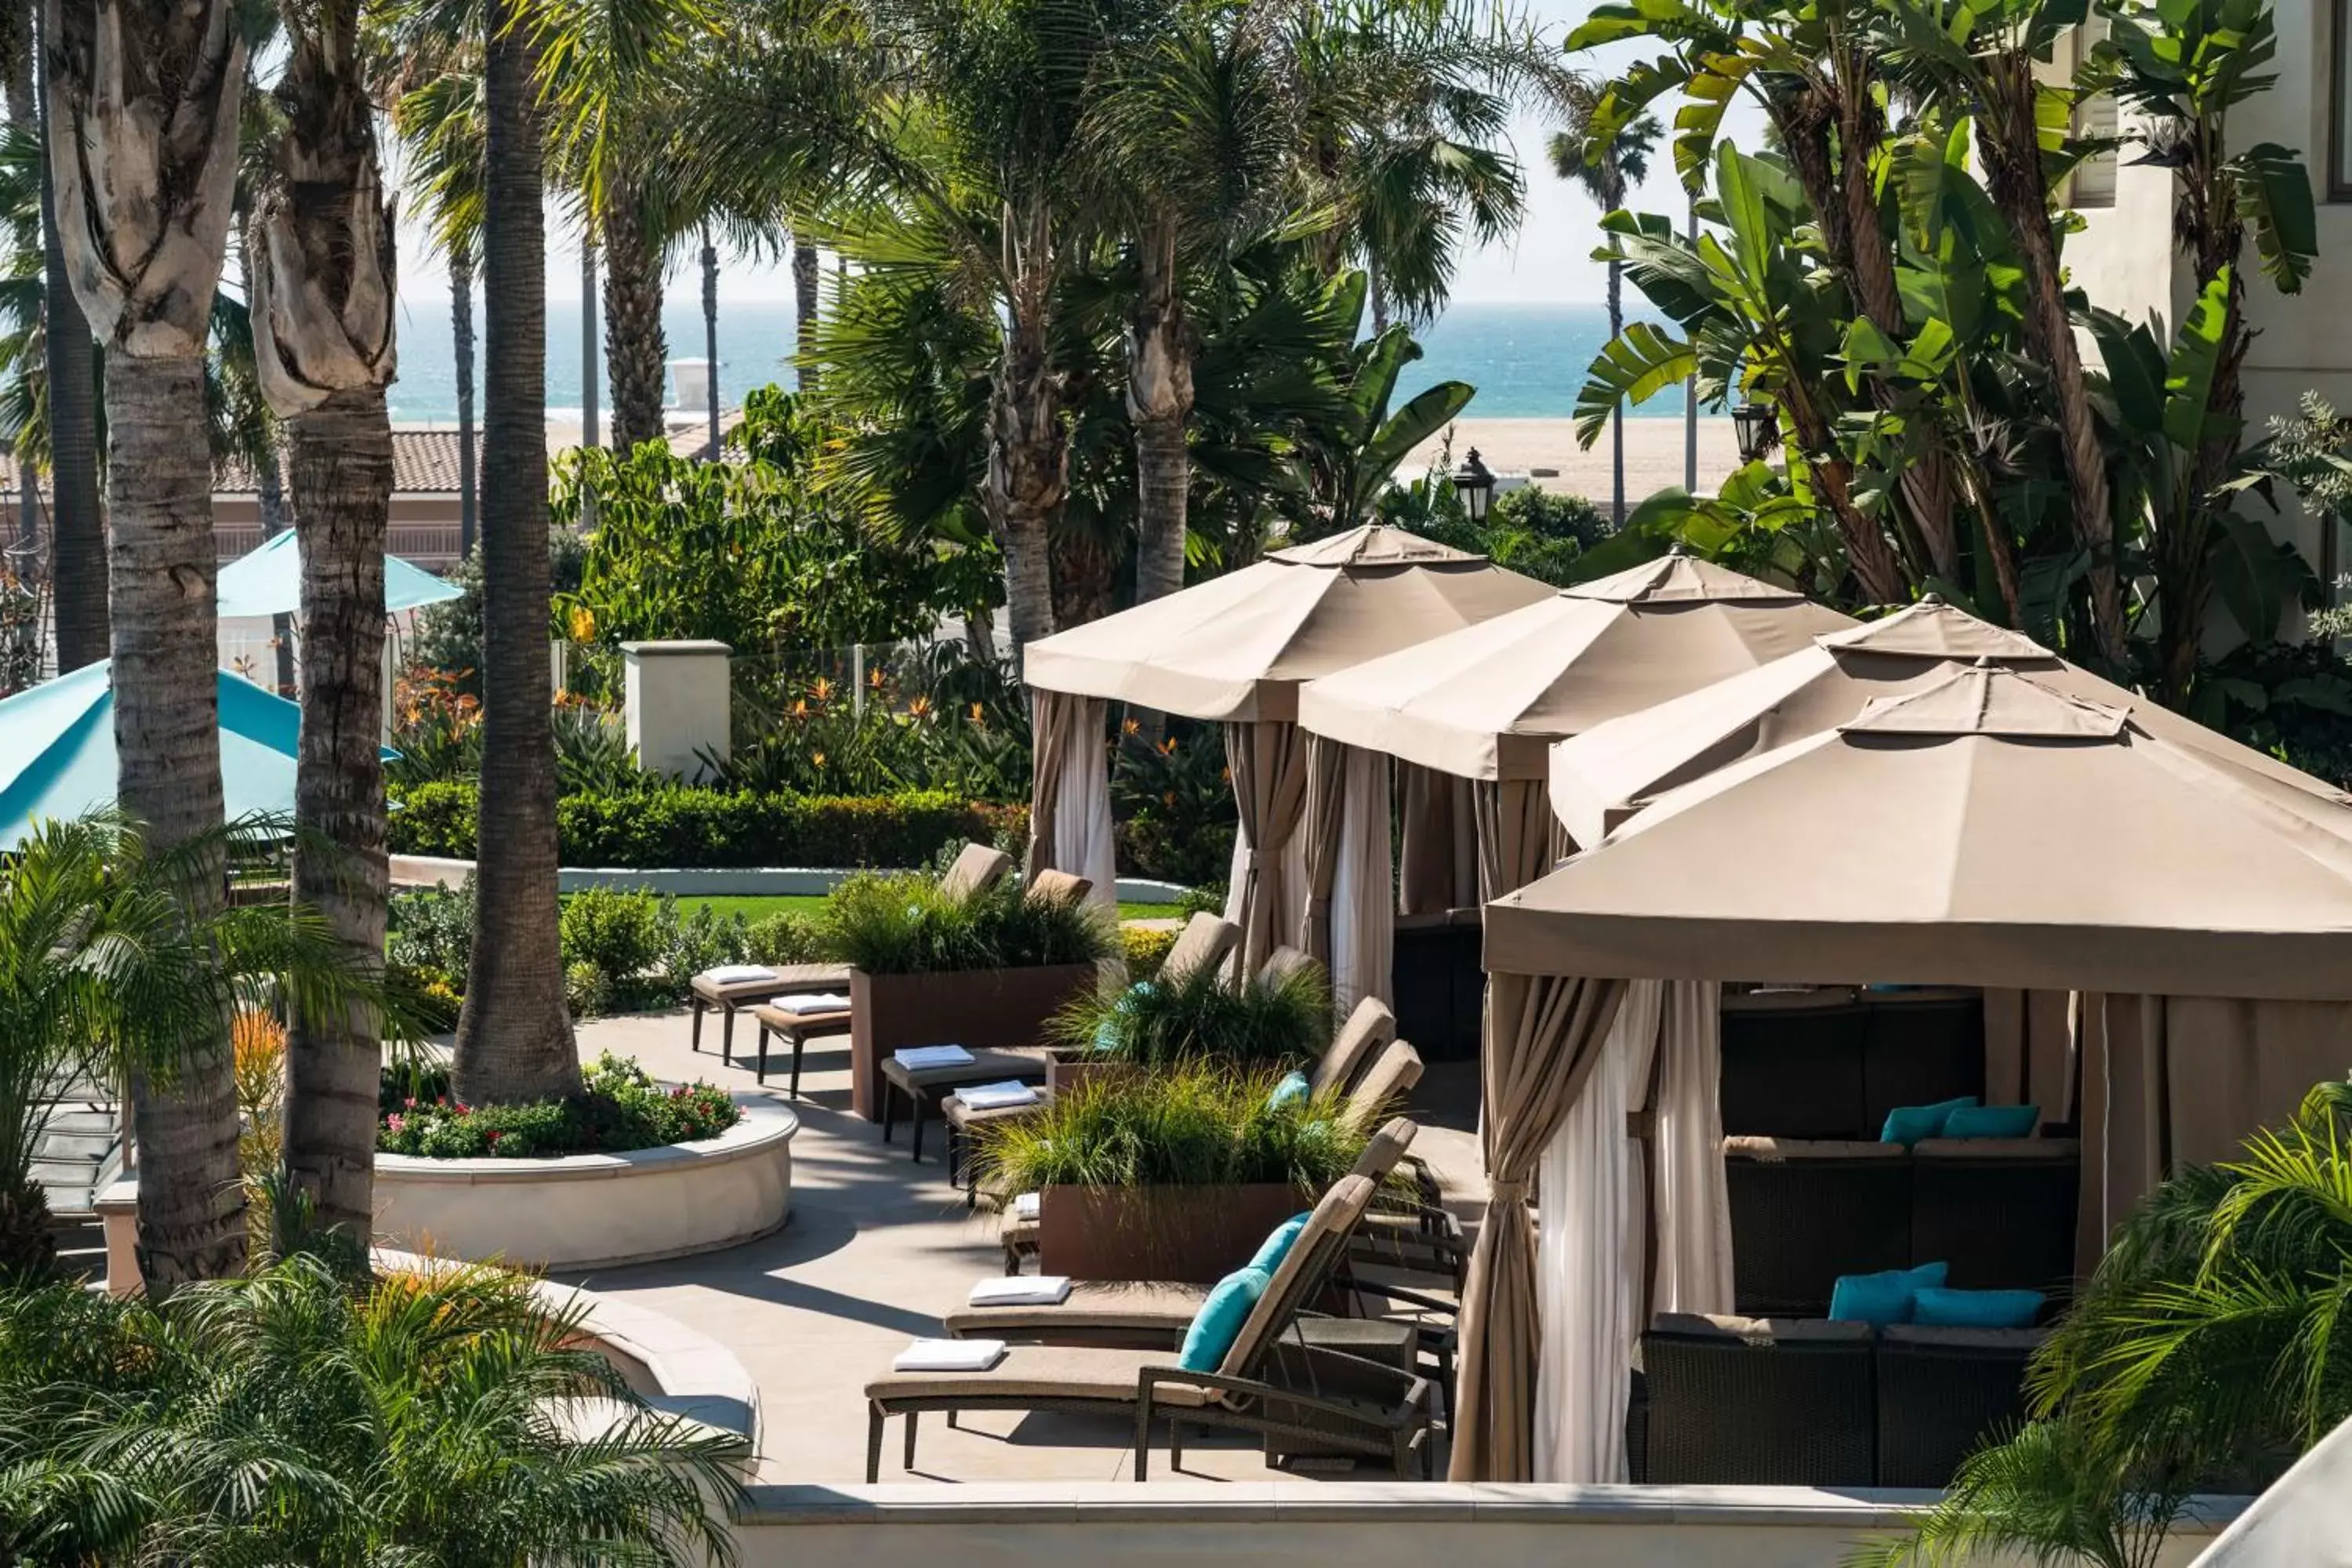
(1830,1063)
(2002,1212)
(1807,1402)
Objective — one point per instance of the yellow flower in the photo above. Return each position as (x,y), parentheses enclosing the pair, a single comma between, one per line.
(584,624)
(817,759)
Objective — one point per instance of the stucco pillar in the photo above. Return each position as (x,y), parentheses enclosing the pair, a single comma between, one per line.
(675,697)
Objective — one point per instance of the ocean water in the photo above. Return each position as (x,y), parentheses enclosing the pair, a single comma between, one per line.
(1526,360)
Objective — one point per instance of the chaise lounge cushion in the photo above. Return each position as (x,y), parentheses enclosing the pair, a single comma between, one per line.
(1042,1372)
(1131,1306)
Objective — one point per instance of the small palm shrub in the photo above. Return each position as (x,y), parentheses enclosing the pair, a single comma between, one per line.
(292,1417)
(1279,1024)
(903,924)
(1197,1126)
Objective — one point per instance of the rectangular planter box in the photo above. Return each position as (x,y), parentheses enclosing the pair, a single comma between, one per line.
(1194,1235)
(1063,1077)
(982,1009)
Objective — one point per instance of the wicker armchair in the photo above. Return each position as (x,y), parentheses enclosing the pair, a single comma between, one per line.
(1756,1402)
(1942,1392)
(2002,1211)
(1802,1213)
(1793,1064)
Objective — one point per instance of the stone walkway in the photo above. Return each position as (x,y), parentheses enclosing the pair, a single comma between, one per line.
(877,1249)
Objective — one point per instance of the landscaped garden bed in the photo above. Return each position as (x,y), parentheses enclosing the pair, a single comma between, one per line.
(620,1109)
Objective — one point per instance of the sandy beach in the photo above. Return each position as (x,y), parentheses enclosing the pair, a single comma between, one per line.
(1547,450)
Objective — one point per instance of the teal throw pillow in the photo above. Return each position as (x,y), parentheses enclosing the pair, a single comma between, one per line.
(1939,1308)
(1108,1032)
(1292,1090)
(1219,1321)
(1906,1124)
(1883,1298)
(1992,1122)
(1278,1244)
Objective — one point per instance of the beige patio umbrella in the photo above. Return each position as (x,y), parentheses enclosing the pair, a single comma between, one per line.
(1608,772)
(1237,649)
(1986,830)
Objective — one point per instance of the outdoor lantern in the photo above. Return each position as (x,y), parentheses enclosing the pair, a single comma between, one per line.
(1757,427)
(1474,482)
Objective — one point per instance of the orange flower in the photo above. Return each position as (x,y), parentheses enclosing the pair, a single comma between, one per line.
(1168,747)
(817,759)
(821,688)
(1131,727)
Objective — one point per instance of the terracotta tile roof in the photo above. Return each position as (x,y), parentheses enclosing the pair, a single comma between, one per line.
(423,461)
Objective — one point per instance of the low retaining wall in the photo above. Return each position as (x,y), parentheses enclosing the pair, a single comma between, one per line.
(709,882)
(1365,1524)
(596,1211)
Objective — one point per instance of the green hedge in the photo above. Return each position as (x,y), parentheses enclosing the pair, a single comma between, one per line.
(683,827)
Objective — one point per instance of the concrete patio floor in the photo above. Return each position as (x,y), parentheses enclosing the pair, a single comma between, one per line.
(878,1247)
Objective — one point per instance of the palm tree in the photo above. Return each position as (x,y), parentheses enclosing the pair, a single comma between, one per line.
(514,1036)
(444,1418)
(144,221)
(637,351)
(1605,172)
(114,960)
(77,526)
(1350,458)
(1197,121)
(804,303)
(324,266)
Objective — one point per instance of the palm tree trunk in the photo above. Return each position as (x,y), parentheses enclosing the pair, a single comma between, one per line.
(1160,406)
(1028,463)
(710,334)
(2008,141)
(342,507)
(636,355)
(167,740)
(77,526)
(514,1037)
(270,483)
(1617,422)
(461,332)
(324,341)
(17,59)
(805,281)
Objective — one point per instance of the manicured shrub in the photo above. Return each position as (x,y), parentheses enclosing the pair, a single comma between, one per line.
(1196,1127)
(1257,1024)
(619,933)
(621,1109)
(1146,948)
(904,924)
(784,938)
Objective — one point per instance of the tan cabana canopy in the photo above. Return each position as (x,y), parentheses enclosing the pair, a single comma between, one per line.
(1485,701)
(1987,830)
(1605,774)
(1238,647)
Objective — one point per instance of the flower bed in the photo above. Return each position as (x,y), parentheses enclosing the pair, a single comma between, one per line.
(622,1110)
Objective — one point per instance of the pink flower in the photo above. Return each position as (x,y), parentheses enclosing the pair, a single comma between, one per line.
(409,1104)
(395,1122)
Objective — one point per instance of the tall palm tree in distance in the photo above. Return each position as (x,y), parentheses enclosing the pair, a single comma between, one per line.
(77,528)
(806,272)
(144,220)
(514,1037)
(1605,172)
(324,269)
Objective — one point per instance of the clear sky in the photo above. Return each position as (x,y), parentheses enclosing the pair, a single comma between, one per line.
(1548,260)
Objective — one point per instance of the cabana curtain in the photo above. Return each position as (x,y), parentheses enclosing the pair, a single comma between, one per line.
(1544,1036)
(1351,911)
(1518,838)
(1269,763)
(1069,795)
(1437,868)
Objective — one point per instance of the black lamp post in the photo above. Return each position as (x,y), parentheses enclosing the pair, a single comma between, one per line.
(1475,483)
(1757,427)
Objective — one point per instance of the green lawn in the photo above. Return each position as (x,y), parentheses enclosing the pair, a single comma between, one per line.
(759,907)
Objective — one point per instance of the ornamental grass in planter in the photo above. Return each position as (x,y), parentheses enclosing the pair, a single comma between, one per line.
(1167,1175)
(985,971)
(1259,1023)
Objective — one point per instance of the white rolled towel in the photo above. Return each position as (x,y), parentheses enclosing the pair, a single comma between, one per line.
(997,1096)
(922,1058)
(1022,1291)
(738,973)
(816,1001)
(1026,1205)
(949,1355)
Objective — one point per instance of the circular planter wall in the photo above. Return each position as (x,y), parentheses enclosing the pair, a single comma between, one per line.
(596,1210)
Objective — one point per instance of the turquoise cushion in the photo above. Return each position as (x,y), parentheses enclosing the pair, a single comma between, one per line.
(1884,1298)
(1992,1122)
(1906,1124)
(1939,1308)
(1219,1321)
(1278,1244)
(1106,1033)
(1292,1090)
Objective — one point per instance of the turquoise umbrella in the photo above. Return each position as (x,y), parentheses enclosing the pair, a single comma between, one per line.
(56,749)
(268,582)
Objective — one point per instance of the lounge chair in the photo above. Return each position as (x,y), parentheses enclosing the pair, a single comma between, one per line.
(1059,887)
(1282,963)
(1263,1385)
(1382,1086)
(1202,945)
(1366,1030)
(976,869)
(732,996)
(794,1027)
(1148,1312)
